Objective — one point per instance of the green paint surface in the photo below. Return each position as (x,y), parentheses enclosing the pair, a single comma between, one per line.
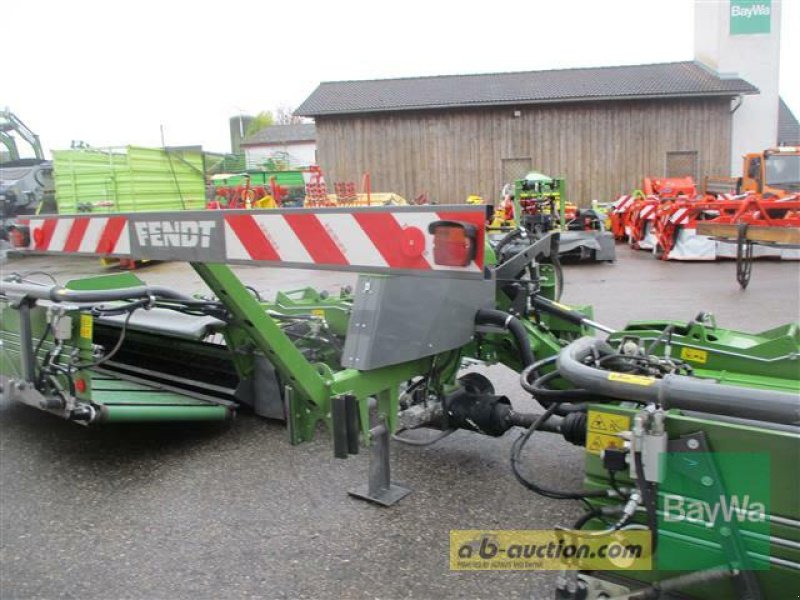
(750,16)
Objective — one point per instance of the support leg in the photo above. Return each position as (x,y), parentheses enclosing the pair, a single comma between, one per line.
(380,488)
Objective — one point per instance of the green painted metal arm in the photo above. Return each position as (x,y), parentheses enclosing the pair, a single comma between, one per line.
(265,333)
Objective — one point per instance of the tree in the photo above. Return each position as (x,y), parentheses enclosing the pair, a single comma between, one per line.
(259,122)
(284,116)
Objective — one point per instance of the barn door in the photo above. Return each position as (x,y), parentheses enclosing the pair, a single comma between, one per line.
(514,168)
(682,164)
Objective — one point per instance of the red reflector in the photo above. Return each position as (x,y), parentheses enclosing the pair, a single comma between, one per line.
(453,243)
(412,242)
(80,385)
(38,236)
(19,237)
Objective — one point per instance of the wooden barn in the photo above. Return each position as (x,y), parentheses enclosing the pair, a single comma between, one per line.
(456,135)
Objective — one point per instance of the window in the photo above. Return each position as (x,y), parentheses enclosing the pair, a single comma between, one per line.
(682,164)
(515,168)
(754,169)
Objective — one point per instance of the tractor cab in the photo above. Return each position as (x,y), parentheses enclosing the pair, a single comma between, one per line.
(775,171)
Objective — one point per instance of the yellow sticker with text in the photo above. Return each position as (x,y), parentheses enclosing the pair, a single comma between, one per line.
(694,355)
(318,312)
(632,379)
(597,442)
(609,423)
(86,327)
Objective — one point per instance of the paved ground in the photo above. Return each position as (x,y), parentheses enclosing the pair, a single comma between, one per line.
(235,511)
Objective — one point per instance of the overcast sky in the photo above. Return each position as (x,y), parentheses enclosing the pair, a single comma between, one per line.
(111,72)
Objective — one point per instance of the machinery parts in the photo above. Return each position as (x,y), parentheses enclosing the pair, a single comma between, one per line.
(10,126)
(26,184)
(667,448)
(540,206)
(774,172)
(642,393)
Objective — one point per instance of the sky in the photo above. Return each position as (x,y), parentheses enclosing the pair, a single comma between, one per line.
(112,73)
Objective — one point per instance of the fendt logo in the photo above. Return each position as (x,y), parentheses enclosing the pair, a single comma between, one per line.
(754,10)
(174,234)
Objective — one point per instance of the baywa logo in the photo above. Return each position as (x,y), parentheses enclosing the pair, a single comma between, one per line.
(733,509)
(754,10)
(174,234)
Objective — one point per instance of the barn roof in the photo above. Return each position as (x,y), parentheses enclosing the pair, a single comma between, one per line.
(282,134)
(665,80)
(788,127)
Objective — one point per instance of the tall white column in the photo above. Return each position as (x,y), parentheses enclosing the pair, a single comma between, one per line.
(741,38)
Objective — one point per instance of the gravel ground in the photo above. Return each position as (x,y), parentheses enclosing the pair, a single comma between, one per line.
(235,511)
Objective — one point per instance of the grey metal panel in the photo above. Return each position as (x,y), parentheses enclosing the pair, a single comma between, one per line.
(401,318)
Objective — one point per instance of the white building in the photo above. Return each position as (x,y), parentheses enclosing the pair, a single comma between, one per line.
(293,144)
(741,39)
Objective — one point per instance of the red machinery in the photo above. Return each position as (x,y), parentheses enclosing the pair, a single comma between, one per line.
(634,217)
(668,226)
(669,187)
(676,224)
(631,219)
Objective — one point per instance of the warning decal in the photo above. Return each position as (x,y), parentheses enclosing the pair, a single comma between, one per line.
(602,429)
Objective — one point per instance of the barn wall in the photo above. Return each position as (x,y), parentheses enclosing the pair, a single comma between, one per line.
(603,149)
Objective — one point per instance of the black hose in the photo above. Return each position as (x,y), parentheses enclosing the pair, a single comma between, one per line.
(490,316)
(516,452)
(539,391)
(507,239)
(585,518)
(108,355)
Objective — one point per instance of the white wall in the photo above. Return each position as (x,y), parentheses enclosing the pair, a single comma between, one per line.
(302,154)
(753,57)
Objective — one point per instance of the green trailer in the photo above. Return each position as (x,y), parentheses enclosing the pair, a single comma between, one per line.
(129,179)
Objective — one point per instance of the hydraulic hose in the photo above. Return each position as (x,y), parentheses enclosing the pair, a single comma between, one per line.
(567,314)
(490,316)
(56,293)
(675,391)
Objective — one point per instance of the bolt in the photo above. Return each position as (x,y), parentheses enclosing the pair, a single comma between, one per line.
(693,444)
(725,531)
(706,481)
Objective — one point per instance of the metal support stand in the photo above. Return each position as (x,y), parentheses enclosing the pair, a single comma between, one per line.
(744,256)
(380,488)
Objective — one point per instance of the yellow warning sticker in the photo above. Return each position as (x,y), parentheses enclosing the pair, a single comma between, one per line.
(632,379)
(318,312)
(86,327)
(603,422)
(694,355)
(597,442)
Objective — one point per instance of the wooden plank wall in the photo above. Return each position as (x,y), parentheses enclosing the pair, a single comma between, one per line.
(603,149)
